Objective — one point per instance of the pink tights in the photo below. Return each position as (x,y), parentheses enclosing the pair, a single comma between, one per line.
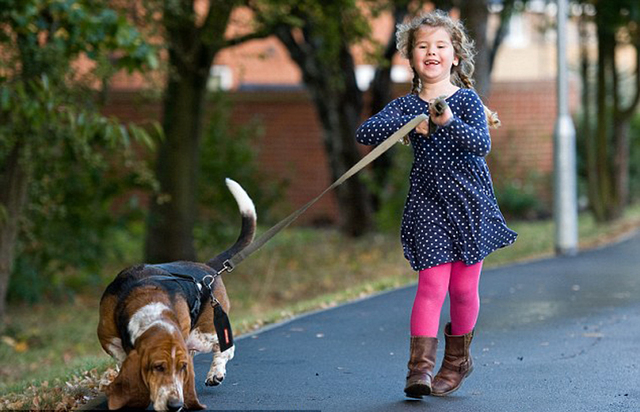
(462,283)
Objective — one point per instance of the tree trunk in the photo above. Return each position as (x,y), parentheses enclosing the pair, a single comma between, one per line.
(338,102)
(587,116)
(353,197)
(13,197)
(192,48)
(602,175)
(609,178)
(621,167)
(609,154)
(173,212)
(339,110)
(508,7)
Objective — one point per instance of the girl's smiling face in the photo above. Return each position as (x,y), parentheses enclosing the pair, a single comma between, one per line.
(433,54)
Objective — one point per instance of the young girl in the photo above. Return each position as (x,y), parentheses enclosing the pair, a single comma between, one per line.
(451,219)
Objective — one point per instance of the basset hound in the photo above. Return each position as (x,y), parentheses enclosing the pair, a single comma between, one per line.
(153,318)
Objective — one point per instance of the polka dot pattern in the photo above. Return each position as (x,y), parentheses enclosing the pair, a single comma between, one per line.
(451,213)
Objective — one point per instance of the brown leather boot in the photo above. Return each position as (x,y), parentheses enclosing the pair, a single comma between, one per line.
(422,360)
(456,365)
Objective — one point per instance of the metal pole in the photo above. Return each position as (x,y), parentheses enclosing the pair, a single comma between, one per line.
(565,186)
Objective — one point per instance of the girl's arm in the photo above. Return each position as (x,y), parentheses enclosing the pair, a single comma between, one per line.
(469,129)
(382,125)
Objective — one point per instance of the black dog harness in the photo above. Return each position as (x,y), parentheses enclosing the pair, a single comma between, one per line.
(196,289)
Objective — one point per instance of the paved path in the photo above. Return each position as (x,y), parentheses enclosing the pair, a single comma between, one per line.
(560,334)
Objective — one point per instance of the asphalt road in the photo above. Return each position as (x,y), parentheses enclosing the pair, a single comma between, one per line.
(560,334)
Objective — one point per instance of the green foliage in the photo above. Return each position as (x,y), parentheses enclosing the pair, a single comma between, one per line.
(79,163)
(76,163)
(520,199)
(45,35)
(229,151)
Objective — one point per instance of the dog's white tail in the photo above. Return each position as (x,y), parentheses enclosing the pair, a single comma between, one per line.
(249,223)
(245,204)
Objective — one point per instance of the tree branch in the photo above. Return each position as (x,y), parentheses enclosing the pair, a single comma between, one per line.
(258,34)
(501,33)
(301,52)
(215,24)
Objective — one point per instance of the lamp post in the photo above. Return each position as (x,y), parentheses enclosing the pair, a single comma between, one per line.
(565,186)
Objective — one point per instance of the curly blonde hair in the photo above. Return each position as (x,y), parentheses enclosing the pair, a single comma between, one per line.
(463,47)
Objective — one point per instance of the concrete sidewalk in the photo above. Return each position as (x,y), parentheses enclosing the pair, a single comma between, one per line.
(559,334)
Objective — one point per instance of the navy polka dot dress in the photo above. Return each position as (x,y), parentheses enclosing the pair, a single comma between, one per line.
(451,213)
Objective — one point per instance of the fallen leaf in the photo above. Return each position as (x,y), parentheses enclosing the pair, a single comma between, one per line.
(21,347)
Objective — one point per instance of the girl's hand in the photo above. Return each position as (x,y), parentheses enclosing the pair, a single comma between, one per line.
(423,128)
(439,115)
(441,120)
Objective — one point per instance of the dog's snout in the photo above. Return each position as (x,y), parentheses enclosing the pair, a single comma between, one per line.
(174,405)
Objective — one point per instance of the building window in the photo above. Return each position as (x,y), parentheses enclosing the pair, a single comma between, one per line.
(518,37)
(220,78)
(400,73)
(364,76)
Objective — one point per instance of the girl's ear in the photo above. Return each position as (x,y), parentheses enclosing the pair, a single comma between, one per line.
(455,60)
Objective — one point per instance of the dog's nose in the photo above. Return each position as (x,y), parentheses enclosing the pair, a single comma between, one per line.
(174,405)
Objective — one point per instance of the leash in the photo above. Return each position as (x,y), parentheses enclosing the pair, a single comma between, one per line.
(176,271)
(230,264)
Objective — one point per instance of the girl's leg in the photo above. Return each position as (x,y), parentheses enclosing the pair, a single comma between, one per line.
(464,297)
(432,290)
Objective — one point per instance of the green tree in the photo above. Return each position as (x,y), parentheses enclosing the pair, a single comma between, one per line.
(45,117)
(617,95)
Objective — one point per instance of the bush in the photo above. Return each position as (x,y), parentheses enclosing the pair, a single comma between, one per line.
(520,199)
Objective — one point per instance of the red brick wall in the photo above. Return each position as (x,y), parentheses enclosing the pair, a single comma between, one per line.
(291,148)
(523,146)
(524,142)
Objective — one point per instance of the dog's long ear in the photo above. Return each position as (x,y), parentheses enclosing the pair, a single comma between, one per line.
(190,397)
(129,389)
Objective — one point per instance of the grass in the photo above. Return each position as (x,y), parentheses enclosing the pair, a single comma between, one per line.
(50,356)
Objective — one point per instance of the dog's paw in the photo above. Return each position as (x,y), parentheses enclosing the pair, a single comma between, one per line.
(214,380)
(219,367)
